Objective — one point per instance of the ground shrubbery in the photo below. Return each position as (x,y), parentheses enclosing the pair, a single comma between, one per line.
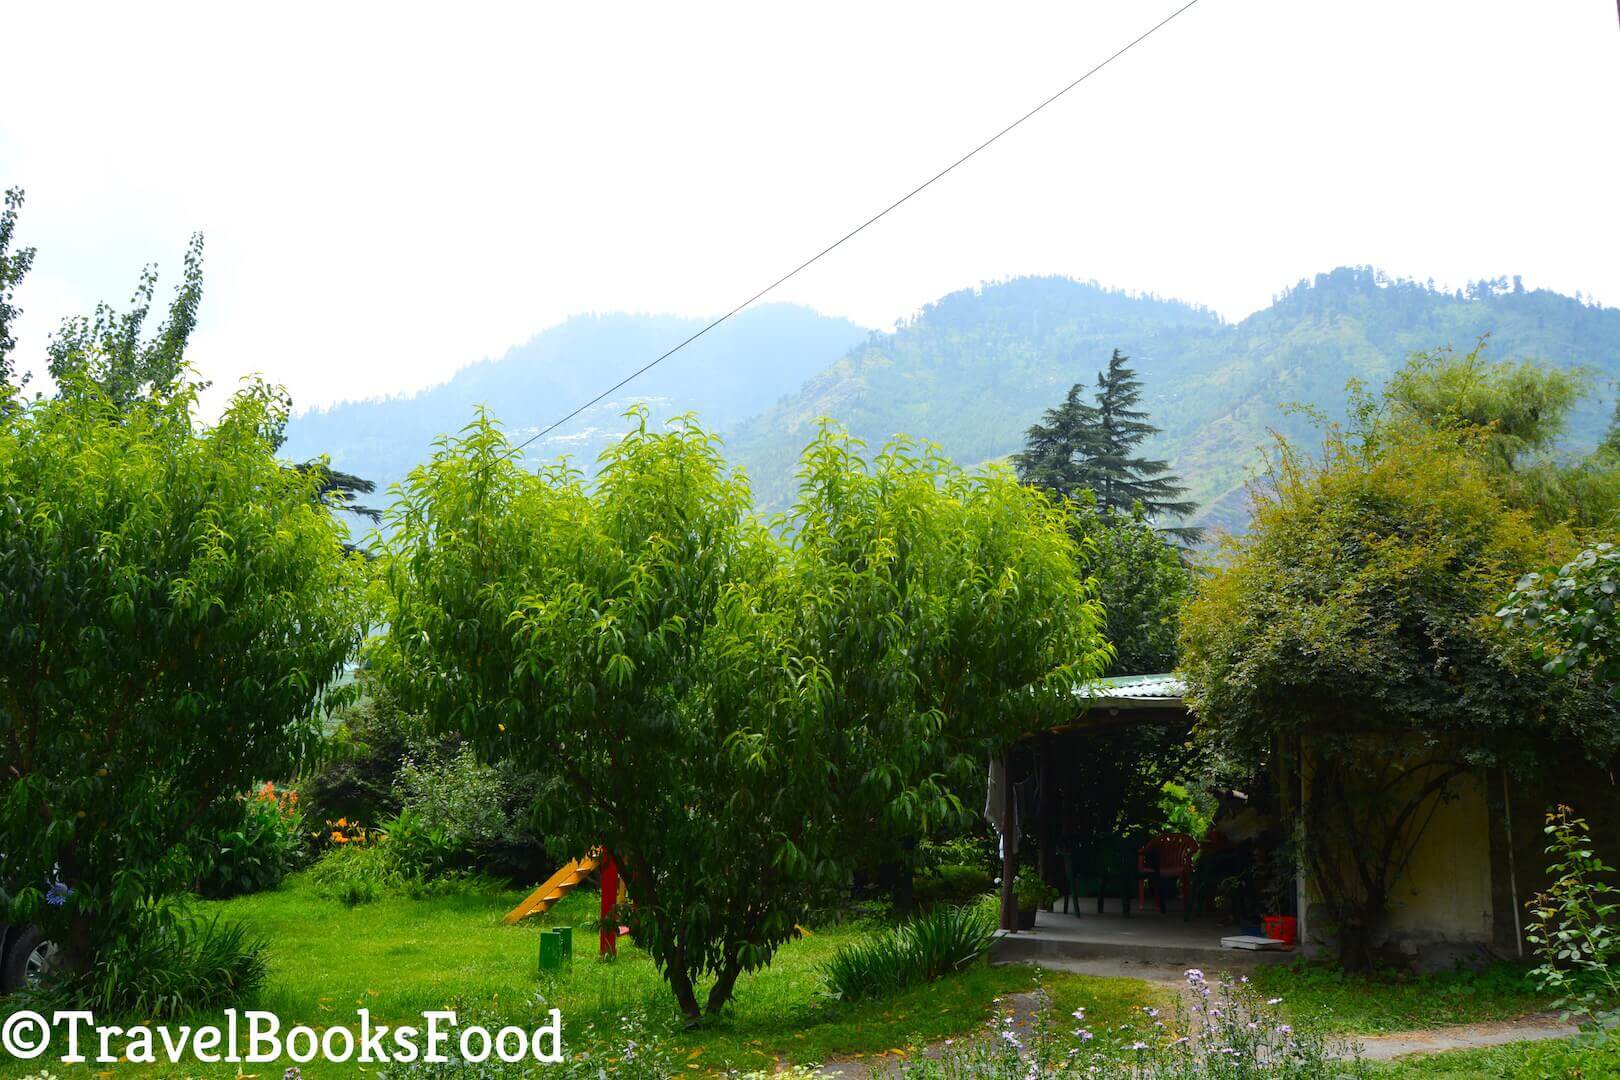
(936,943)
(163,965)
(438,812)
(250,843)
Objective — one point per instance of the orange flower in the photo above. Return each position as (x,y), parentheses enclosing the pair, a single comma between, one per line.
(339,838)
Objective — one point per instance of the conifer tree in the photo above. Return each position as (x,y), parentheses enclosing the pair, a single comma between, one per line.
(1093,447)
(1121,479)
(1052,458)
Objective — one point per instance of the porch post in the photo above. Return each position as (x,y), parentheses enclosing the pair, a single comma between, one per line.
(1302,891)
(1009,858)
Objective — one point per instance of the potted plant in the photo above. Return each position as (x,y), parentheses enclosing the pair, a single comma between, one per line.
(1031,893)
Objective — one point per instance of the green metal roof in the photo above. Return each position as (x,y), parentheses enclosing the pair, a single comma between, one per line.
(1135,691)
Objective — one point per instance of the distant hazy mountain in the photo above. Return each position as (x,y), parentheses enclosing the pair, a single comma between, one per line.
(974,370)
(733,372)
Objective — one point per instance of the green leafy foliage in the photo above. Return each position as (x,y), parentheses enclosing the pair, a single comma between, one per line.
(175,611)
(952,883)
(1570,617)
(354,777)
(1513,413)
(103,354)
(1349,622)
(939,942)
(249,843)
(1575,924)
(163,965)
(1031,891)
(13,266)
(948,612)
(727,714)
(1142,580)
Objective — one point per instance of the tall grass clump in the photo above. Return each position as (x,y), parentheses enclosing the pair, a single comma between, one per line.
(934,944)
(166,966)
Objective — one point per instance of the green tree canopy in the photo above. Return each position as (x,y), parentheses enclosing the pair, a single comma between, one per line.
(175,608)
(13,266)
(716,707)
(103,353)
(1512,413)
(1571,616)
(1348,625)
(1142,581)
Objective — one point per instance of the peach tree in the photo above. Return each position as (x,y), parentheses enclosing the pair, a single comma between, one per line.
(175,607)
(664,660)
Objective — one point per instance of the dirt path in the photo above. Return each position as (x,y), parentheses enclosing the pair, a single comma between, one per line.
(1464,1037)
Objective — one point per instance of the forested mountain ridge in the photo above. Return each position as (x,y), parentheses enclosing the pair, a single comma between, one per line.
(731,373)
(975,369)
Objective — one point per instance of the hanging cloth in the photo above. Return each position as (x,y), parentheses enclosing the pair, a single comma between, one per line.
(995,806)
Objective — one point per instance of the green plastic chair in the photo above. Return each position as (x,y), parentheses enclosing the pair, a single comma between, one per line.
(1099,863)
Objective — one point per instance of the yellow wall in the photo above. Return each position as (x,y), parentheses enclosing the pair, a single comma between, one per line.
(1444,894)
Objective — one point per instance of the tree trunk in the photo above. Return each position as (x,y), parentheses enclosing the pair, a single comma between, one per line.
(903,893)
(720,992)
(685,997)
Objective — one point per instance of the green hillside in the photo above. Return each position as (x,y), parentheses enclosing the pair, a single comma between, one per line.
(972,371)
(727,375)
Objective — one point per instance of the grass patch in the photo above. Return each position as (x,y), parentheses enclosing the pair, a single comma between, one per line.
(399,956)
(1328,1000)
(1553,1059)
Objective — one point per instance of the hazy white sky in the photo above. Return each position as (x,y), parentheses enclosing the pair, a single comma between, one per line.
(392,191)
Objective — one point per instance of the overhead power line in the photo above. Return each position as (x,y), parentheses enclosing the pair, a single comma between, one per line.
(863,226)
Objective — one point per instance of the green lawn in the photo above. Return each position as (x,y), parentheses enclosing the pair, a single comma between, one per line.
(399,957)
(1553,1060)
(1329,1000)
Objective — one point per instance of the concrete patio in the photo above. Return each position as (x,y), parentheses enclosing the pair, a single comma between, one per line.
(1145,937)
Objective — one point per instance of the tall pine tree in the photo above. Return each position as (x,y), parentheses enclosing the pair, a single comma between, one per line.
(1054,452)
(1093,447)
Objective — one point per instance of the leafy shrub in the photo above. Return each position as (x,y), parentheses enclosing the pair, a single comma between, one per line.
(363,758)
(368,865)
(163,966)
(455,813)
(461,814)
(932,945)
(1573,925)
(356,873)
(950,883)
(253,842)
(1185,810)
(1031,891)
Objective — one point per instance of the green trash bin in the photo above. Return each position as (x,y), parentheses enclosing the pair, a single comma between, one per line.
(566,935)
(552,946)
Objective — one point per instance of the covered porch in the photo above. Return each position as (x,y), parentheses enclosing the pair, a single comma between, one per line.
(1146,937)
(1076,804)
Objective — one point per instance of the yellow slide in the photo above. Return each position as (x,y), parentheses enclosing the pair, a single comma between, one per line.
(557,886)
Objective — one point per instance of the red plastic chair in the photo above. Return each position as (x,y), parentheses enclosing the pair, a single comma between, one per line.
(1167,856)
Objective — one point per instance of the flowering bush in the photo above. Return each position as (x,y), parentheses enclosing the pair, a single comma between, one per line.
(252,842)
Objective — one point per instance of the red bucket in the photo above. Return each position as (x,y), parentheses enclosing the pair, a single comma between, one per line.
(1285,928)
